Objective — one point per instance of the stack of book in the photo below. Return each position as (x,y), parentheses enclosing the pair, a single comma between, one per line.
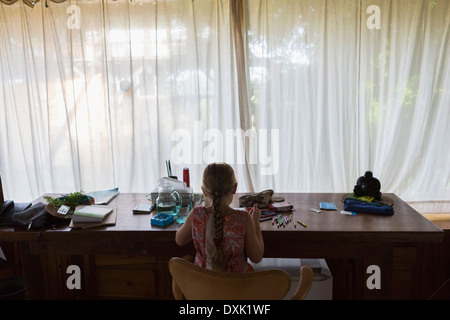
(92,216)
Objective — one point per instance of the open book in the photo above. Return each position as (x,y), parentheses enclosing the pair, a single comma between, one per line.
(104,197)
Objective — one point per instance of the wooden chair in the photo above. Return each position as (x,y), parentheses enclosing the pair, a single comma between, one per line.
(192,282)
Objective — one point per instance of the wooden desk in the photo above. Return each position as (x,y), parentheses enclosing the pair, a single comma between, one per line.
(117,258)
(444,291)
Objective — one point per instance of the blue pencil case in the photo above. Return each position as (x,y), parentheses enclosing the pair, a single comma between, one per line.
(162,219)
(353,205)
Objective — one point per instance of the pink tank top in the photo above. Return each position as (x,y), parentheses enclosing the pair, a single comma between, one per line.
(233,239)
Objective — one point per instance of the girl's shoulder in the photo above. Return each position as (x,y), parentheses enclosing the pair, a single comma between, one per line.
(239,215)
(199,211)
(241,212)
(199,208)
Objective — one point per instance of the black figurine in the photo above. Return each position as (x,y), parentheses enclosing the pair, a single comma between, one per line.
(367,185)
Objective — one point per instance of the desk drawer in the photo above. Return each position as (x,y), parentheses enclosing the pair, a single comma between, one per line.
(123,277)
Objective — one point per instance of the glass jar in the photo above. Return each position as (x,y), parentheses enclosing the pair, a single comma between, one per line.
(167,199)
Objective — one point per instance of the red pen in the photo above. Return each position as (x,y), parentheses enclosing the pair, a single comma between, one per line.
(186,177)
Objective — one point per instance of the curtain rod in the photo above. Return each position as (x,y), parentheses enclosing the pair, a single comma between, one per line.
(31,3)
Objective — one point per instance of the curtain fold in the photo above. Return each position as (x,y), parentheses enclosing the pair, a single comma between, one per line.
(239,32)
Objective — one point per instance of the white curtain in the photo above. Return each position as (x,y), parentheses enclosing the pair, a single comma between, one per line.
(304,75)
(347,96)
(298,95)
(404,98)
(104,105)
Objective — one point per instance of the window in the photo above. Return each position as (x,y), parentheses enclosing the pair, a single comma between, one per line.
(298,95)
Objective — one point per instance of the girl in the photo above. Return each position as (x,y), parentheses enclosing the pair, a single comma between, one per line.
(223,237)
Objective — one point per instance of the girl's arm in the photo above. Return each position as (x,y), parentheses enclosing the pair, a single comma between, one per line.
(254,243)
(184,233)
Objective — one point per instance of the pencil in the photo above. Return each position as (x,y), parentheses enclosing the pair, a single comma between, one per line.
(301,223)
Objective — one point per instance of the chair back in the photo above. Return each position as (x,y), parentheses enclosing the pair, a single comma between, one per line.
(195,283)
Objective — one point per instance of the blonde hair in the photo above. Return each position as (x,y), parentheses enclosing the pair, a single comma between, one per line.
(218,180)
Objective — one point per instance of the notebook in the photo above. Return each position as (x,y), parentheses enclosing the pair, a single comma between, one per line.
(327,206)
(91,214)
(110,219)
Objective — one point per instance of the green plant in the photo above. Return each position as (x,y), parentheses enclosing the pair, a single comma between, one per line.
(71,200)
